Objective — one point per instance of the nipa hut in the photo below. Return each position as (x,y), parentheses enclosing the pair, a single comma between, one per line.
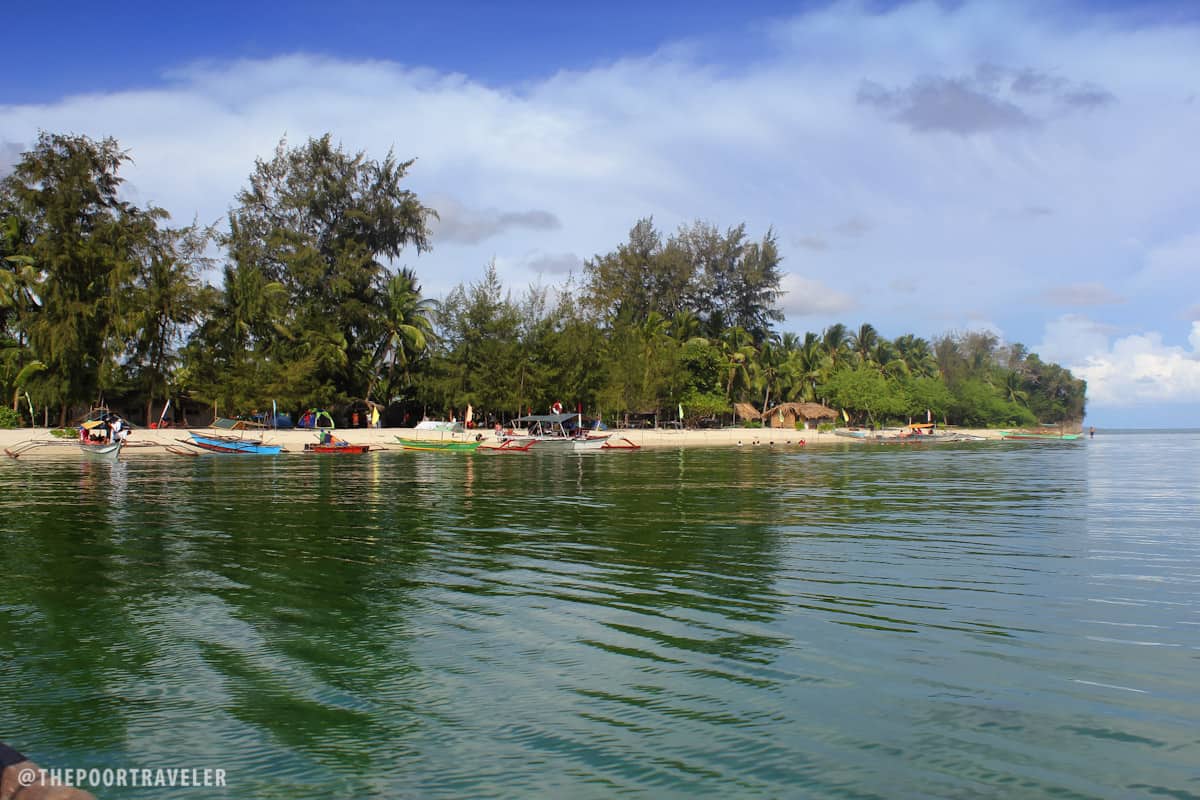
(786,415)
(745,411)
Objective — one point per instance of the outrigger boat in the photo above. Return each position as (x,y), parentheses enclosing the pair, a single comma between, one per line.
(337,449)
(229,445)
(328,444)
(97,441)
(1042,435)
(439,446)
(550,432)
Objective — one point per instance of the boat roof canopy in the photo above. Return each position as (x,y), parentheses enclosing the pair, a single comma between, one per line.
(547,418)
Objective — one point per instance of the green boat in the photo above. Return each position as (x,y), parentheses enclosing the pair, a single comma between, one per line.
(1039,435)
(439,446)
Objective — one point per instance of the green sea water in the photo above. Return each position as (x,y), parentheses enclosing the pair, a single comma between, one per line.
(984,620)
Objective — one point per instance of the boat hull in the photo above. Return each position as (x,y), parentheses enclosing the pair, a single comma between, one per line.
(438,446)
(1039,437)
(101,452)
(234,447)
(337,449)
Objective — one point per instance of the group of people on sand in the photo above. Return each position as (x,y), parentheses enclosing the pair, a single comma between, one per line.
(109,428)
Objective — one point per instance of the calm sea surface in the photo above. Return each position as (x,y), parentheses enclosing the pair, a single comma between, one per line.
(997,620)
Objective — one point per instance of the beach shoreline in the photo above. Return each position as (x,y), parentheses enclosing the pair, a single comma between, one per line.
(33,443)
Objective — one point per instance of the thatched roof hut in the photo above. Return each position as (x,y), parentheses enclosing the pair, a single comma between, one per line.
(786,415)
(745,411)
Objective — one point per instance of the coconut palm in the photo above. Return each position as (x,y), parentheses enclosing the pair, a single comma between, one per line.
(769,366)
(917,355)
(863,343)
(1014,389)
(685,326)
(407,329)
(737,351)
(835,341)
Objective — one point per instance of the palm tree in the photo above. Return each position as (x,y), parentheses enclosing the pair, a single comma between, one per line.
(407,328)
(917,355)
(1014,390)
(863,342)
(834,340)
(769,365)
(814,365)
(685,326)
(737,350)
(887,357)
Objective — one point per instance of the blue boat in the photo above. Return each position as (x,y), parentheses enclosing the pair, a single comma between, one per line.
(233,446)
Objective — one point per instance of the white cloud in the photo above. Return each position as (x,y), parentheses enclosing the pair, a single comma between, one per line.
(565,165)
(1134,370)
(805,296)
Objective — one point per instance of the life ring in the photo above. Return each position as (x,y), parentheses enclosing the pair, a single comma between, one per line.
(557,407)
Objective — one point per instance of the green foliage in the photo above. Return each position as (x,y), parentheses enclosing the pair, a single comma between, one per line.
(98,298)
(305,289)
(699,406)
(723,280)
(83,244)
(9,418)
(866,393)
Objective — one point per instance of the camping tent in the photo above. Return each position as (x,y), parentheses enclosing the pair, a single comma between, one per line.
(315,418)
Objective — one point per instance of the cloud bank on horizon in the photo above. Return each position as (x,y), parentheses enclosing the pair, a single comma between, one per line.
(926,168)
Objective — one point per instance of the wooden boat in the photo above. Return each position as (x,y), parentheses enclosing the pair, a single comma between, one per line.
(556,432)
(229,445)
(337,448)
(433,445)
(101,451)
(1038,436)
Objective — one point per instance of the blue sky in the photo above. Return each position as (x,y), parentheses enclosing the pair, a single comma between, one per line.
(1028,168)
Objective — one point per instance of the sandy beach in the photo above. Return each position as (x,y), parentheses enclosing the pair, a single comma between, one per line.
(148,442)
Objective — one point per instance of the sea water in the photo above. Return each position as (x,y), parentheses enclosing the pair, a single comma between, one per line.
(977,620)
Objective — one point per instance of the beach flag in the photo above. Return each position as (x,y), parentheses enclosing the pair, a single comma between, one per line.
(681,411)
(470,414)
(928,415)
(845,416)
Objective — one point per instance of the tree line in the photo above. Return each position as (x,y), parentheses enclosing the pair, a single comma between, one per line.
(103,301)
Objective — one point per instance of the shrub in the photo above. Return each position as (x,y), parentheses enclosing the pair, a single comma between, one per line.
(9,418)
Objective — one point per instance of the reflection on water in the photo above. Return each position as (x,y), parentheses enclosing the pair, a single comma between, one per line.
(961,621)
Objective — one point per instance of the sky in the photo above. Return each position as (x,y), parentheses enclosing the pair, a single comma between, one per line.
(1027,168)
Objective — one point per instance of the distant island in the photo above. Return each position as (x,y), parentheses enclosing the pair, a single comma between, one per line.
(102,302)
